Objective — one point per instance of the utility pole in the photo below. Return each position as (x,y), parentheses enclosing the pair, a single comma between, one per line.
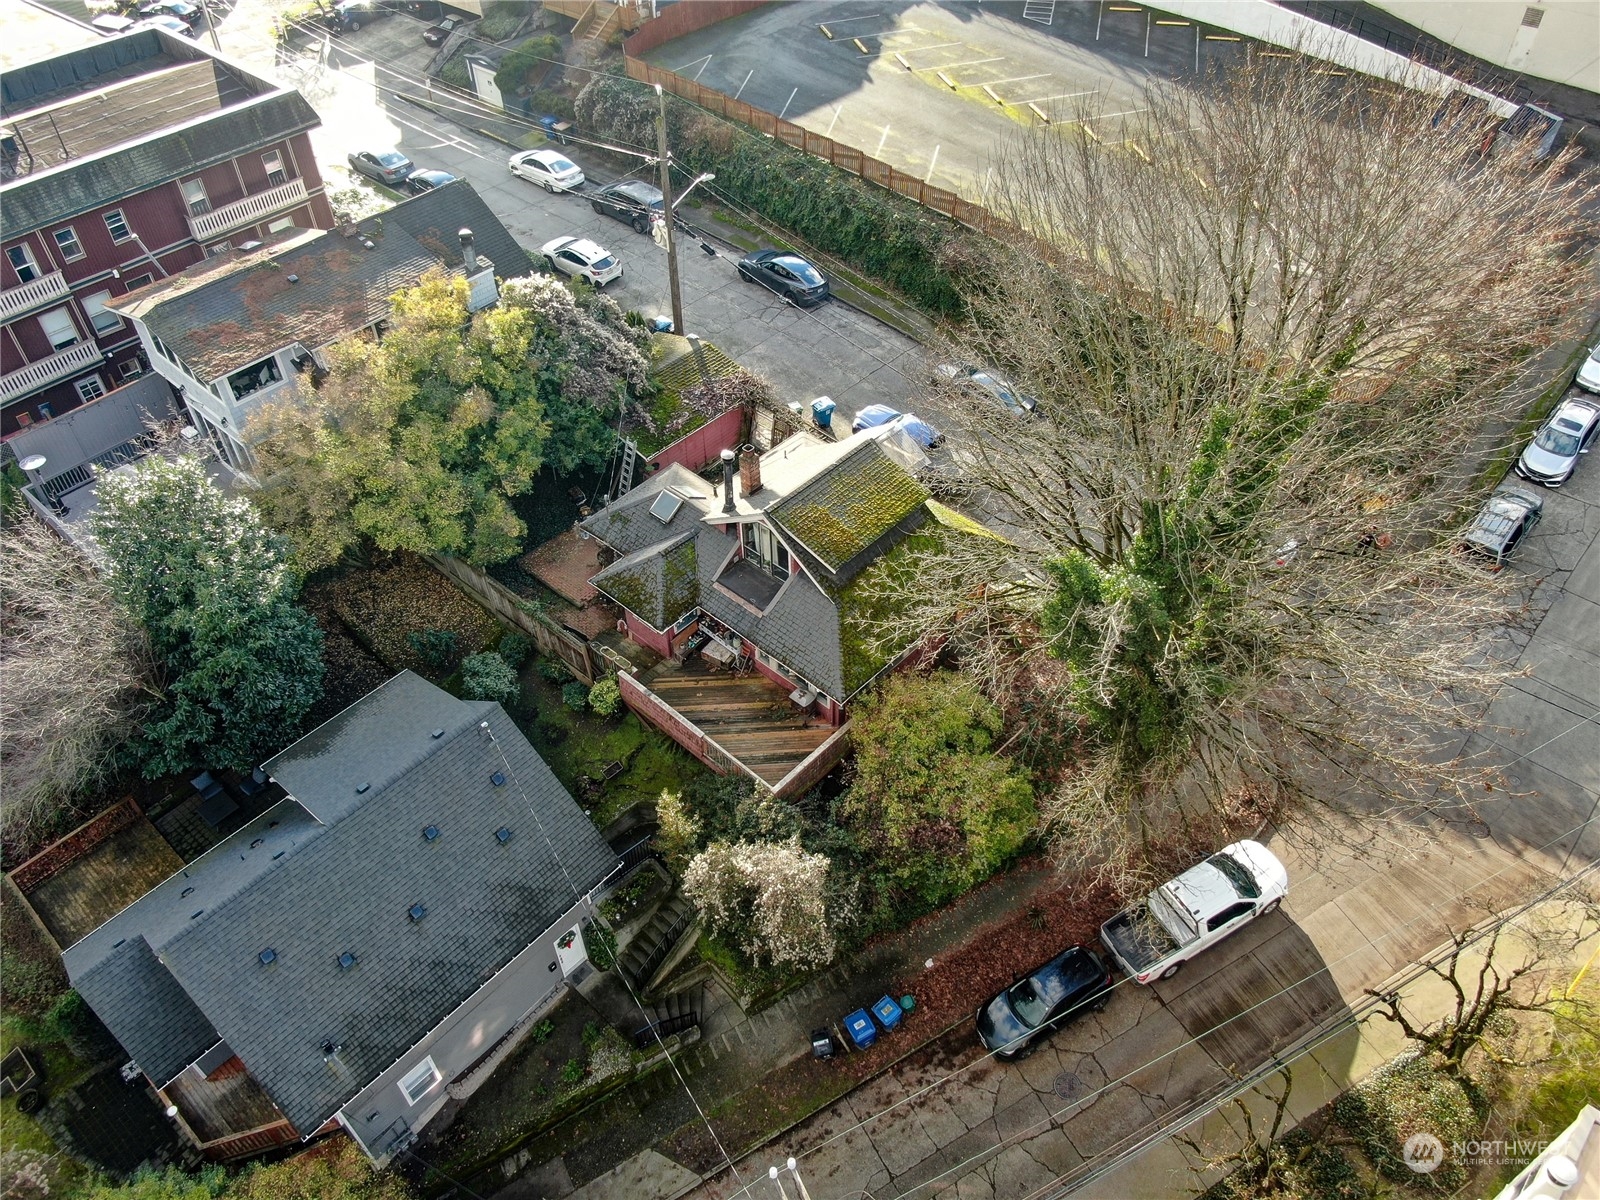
(664,157)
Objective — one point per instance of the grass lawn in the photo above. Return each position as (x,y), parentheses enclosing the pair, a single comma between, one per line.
(580,747)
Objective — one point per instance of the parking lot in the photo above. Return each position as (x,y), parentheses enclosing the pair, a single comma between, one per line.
(936,89)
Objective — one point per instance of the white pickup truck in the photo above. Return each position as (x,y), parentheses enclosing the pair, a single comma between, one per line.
(1198,909)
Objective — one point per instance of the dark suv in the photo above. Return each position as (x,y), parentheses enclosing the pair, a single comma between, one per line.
(632,200)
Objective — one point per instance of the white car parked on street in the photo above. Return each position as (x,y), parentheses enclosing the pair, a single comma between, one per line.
(550,169)
(582,258)
(1589,373)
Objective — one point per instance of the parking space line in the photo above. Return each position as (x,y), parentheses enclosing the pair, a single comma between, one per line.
(1018,79)
(920,49)
(835,121)
(931,163)
(747,75)
(881,141)
(1062,96)
(788,102)
(842,20)
(971,62)
(702,61)
(1106,116)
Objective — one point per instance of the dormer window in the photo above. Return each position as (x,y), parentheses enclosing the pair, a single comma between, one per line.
(763,549)
(254,377)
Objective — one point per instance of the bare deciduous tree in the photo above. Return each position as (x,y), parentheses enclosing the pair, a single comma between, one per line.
(1271,337)
(77,672)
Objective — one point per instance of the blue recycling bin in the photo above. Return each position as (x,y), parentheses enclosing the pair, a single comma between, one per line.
(887,1012)
(660,324)
(822,412)
(861,1029)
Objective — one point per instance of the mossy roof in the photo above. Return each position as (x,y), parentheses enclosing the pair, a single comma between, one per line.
(659,583)
(848,508)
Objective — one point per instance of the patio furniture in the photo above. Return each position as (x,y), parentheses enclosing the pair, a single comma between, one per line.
(861,1029)
(253,782)
(887,1012)
(206,785)
(217,808)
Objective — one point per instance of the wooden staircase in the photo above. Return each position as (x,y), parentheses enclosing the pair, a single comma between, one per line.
(598,23)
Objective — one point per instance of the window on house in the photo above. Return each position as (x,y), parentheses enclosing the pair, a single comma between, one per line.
(139,281)
(91,387)
(254,377)
(101,317)
(130,368)
(762,548)
(194,195)
(117,226)
(419,1081)
(24,419)
(273,162)
(59,328)
(22,263)
(67,239)
(280,224)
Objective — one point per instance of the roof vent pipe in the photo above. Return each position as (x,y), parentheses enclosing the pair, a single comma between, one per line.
(469,253)
(728,458)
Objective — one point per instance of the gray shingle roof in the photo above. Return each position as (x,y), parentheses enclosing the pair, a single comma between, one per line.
(235,309)
(349,888)
(659,583)
(159,1026)
(103,178)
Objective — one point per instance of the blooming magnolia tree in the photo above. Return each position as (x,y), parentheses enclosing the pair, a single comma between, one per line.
(767,899)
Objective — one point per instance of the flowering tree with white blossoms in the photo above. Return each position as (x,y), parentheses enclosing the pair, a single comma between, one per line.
(769,900)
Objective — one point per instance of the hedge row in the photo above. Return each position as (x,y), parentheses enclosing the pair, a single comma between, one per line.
(885,236)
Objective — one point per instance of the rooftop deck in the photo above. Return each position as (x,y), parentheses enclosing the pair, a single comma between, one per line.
(94,888)
(748,715)
(231,1104)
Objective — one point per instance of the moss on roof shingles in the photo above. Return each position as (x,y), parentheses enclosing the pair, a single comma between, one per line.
(845,509)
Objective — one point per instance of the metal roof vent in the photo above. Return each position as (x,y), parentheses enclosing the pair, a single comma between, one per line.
(502,835)
(498,779)
(430,833)
(416,912)
(346,961)
(188,891)
(268,956)
(361,788)
(436,734)
(292,278)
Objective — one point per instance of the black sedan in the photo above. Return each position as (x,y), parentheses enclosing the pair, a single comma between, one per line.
(425,181)
(1069,985)
(791,276)
(631,200)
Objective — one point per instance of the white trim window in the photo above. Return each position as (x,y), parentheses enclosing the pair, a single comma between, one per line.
(280,224)
(272,160)
(419,1081)
(67,241)
(59,327)
(101,317)
(763,549)
(90,387)
(23,262)
(117,226)
(130,368)
(252,379)
(194,195)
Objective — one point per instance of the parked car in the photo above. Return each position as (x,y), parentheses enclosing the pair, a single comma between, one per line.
(1589,374)
(386,166)
(425,181)
(1199,908)
(168,23)
(582,258)
(348,16)
(631,200)
(1072,983)
(992,383)
(791,276)
(1553,454)
(550,169)
(190,14)
(1501,524)
(881,416)
(110,24)
(435,35)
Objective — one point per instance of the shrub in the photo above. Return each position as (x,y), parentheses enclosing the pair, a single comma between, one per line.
(456,73)
(501,20)
(554,671)
(602,946)
(605,697)
(515,648)
(1408,1096)
(575,696)
(571,1072)
(769,899)
(437,648)
(677,831)
(527,64)
(487,676)
(540,1033)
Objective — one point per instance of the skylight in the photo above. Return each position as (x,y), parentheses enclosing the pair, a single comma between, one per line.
(665,506)
(502,835)
(416,912)
(430,832)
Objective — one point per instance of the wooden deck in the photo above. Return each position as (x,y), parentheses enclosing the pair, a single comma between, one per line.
(86,893)
(749,716)
(218,1108)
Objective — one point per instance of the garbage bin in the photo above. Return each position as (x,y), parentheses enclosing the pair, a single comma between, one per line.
(861,1029)
(822,412)
(887,1012)
(821,1044)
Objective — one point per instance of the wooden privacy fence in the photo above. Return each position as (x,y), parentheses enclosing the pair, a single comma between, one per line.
(551,639)
(846,158)
(686,16)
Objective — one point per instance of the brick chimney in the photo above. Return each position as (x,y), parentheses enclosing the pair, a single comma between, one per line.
(727,480)
(749,470)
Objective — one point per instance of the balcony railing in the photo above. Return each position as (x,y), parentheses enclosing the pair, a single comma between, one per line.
(71,361)
(36,293)
(247,211)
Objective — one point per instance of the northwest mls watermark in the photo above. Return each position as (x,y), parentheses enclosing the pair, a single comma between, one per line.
(1424,1153)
